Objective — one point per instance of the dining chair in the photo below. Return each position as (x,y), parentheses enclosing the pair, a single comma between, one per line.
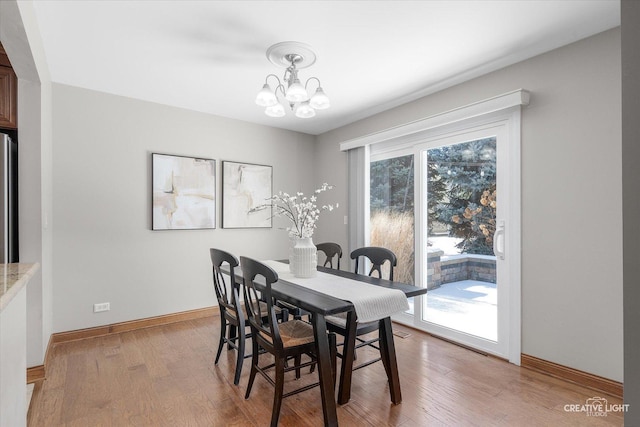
(285,341)
(377,256)
(330,251)
(338,323)
(232,319)
(232,315)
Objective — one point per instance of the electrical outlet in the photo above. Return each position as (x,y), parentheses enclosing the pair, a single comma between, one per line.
(104,306)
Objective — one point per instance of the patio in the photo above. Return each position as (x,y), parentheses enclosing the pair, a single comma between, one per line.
(469,306)
(462,290)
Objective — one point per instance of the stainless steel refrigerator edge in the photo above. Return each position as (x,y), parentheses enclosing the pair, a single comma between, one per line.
(8,199)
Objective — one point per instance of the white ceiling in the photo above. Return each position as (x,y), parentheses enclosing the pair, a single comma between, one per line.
(210,56)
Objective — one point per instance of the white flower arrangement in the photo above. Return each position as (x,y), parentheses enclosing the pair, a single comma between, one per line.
(302,211)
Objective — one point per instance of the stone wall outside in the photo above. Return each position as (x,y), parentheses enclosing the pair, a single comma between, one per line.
(455,268)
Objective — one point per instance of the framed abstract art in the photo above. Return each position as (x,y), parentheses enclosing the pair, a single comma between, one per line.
(246,186)
(184,192)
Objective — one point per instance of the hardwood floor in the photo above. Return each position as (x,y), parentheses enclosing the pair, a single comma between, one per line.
(165,376)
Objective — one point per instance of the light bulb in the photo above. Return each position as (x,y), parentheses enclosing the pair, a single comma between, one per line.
(320,100)
(296,92)
(266,97)
(304,111)
(276,110)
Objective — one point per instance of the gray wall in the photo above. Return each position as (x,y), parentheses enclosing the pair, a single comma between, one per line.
(571,195)
(104,249)
(630,11)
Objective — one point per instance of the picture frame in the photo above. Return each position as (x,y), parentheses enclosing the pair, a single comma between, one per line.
(245,187)
(183,192)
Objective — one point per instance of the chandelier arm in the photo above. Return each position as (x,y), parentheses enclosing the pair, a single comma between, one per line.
(266,79)
(312,78)
(281,87)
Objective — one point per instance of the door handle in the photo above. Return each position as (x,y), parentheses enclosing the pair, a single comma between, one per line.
(498,240)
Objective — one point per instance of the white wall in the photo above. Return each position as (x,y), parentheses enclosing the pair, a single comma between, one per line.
(104,249)
(21,39)
(13,361)
(571,195)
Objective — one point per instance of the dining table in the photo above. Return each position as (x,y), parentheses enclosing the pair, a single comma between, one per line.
(324,295)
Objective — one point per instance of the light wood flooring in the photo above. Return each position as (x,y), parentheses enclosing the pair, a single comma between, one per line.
(165,376)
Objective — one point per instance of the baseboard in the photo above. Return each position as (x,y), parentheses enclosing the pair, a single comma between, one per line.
(35,373)
(582,378)
(131,325)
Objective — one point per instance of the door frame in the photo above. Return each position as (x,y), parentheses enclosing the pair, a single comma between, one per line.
(508,106)
(500,347)
(505,125)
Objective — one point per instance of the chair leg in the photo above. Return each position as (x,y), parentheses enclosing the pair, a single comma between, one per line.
(284,315)
(279,391)
(254,365)
(240,346)
(223,332)
(297,361)
(233,332)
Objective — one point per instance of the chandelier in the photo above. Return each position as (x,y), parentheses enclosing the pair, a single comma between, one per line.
(293,56)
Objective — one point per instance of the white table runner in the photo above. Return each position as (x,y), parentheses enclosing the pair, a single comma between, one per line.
(371,302)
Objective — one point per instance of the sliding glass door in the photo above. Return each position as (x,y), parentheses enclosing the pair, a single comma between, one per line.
(460,196)
(443,206)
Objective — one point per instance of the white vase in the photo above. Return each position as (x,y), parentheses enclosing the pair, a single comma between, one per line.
(304,257)
(292,243)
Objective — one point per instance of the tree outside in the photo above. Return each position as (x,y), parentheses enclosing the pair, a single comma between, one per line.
(462,200)
(462,193)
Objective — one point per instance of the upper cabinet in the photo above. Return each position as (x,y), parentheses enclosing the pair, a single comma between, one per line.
(8,93)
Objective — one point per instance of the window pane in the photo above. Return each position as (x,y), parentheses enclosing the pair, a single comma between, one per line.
(462,203)
(392,217)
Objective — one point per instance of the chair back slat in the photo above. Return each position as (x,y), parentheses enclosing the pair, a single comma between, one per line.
(228,296)
(264,321)
(377,256)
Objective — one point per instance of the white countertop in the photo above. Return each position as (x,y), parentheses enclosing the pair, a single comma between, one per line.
(12,278)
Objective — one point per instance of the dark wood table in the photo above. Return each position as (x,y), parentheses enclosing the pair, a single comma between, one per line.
(386,335)
(319,305)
